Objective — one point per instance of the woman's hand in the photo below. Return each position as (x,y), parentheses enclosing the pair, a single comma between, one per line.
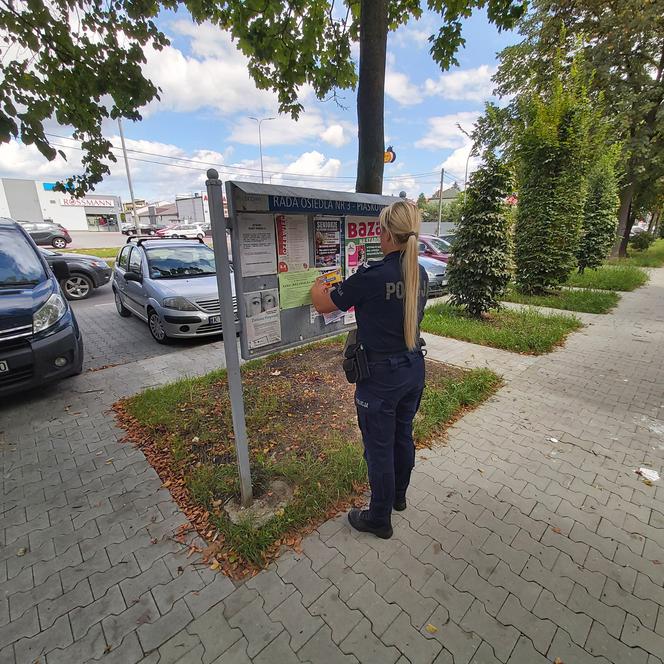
(320,297)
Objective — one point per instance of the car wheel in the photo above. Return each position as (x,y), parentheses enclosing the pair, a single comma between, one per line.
(77,287)
(156,327)
(151,232)
(59,242)
(200,236)
(122,310)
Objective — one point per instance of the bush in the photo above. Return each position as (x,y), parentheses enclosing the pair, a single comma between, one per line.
(598,232)
(642,241)
(552,152)
(479,269)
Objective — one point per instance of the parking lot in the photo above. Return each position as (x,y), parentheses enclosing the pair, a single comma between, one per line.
(111,340)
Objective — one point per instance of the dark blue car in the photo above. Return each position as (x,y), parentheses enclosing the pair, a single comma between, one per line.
(40,340)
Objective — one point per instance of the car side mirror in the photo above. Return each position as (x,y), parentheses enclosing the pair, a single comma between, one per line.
(133,276)
(60,270)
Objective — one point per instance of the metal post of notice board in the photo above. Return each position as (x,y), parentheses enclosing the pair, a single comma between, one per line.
(218,222)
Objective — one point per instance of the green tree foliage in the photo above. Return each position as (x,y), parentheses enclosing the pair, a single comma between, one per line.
(622,44)
(598,232)
(642,241)
(480,268)
(79,62)
(552,155)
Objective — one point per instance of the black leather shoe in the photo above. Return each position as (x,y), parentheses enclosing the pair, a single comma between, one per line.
(400,505)
(360,520)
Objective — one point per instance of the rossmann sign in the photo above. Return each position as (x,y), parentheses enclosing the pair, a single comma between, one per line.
(88,202)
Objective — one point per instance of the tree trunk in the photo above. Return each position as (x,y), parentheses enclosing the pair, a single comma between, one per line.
(371,96)
(631,218)
(626,195)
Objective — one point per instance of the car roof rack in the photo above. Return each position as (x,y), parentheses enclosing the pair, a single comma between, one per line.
(143,238)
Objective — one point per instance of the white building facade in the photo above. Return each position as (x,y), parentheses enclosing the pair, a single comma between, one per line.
(33,200)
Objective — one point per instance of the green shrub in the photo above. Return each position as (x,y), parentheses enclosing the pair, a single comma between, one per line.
(552,153)
(642,241)
(479,269)
(598,231)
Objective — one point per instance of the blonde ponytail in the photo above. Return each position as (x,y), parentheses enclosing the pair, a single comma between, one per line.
(402,221)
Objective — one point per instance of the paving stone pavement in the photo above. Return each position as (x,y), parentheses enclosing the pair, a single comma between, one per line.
(528,537)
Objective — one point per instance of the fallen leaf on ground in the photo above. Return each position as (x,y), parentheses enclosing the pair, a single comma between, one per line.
(557,531)
(108,648)
(22,551)
(557,660)
(432,629)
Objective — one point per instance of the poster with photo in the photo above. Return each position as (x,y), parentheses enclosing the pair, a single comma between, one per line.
(327,239)
(292,242)
(258,254)
(263,317)
(361,245)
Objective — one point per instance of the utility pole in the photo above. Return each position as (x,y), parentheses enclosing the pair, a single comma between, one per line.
(260,140)
(440,200)
(137,226)
(465,177)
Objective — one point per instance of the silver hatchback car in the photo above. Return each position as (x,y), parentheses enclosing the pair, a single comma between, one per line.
(171,285)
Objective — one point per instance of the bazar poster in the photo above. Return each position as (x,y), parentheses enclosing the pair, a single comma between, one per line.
(361,245)
(292,242)
(327,236)
(263,318)
(295,288)
(258,254)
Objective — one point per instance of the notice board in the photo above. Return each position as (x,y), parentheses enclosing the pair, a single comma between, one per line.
(282,238)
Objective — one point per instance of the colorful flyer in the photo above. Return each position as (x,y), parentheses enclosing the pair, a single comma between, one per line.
(292,242)
(327,237)
(258,254)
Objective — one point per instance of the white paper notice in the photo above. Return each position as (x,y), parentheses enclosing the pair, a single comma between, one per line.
(292,242)
(263,318)
(258,249)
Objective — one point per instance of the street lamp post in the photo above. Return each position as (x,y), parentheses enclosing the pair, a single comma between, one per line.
(134,214)
(260,140)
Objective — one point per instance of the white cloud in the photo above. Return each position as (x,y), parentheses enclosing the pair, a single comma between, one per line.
(336,135)
(162,181)
(401,88)
(463,84)
(455,164)
(444,133)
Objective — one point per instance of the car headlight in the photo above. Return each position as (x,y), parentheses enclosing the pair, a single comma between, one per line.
(99,263)
(49,313)
(431,275)
(179,303)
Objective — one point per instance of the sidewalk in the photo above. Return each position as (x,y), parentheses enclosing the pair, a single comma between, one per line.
(527,538)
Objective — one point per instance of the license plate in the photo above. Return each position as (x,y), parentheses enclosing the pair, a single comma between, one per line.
(214,320)
(4,367)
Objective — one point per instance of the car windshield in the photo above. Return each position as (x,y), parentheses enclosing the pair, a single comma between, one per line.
(184,261)
(440,245)
(19,264)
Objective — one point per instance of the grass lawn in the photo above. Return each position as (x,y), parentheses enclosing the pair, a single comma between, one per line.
(651,257)
(610,277)
(302,430)
(102,252)
(588,301)
(525,331)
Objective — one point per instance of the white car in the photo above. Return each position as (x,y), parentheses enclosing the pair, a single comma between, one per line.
(184,231)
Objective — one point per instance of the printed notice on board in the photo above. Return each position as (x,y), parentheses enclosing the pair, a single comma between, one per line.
(361,245)
(292,242)
(295,288)
(263,318)
(327,235)
(258,254)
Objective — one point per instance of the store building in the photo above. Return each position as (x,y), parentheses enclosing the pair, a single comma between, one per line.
(32,200)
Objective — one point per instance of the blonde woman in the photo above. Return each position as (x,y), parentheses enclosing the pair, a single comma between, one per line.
(389,298)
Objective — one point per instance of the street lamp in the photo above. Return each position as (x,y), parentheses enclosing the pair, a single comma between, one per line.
(260,140)
(465,177)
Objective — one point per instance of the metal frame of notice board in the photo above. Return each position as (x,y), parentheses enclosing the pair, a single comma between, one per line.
(254,210)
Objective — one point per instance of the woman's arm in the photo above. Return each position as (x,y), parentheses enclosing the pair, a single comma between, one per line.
(320,296)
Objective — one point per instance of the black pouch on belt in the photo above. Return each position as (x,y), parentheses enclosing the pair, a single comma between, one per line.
(355,364)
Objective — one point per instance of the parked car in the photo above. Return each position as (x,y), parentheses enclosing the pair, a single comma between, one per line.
(47,233)
(85,273)
(184,231)
(40,340)
(129,228)
(437,273)
(435,247)
(169,284)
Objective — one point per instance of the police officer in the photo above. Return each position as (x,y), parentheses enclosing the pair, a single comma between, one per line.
(389,298)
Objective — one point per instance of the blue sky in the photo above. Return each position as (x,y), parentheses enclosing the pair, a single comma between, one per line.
(207,98)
